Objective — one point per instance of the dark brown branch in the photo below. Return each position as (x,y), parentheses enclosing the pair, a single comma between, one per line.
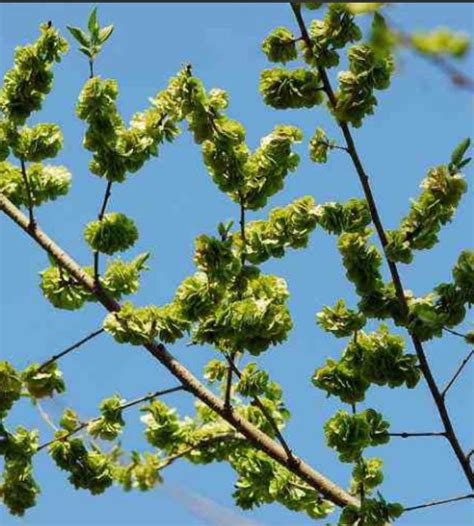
(150,396)
(78,344)
(257,438)
(439,502)
(28,194)
(364,180)
(457,373)
(409,435)
(469,455)
(103,208)
(231,359)
(228,384)
(455,333)
(124,406)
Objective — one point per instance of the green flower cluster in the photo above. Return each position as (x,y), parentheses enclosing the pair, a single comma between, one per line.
(350,217)
(280,46)
(380,359)
(89,470)
(362,262)
(46,182)
(442,191)
(319,146)
(110,424)
(36,144)
(162,425)
(18,489)
(349,434)
(253,381)
(335,31)
(340,320)
(216,259)
(341,380)
(29,81)
(142,325)
(368,71)
(258,319)
(142,472)
(463,274)
(37,383)
(283,89)
(97,107)
(287,227)
(446,305)
(441,41)
(266,168)
(376,358)
(368,474)
(62,290)
(196,296)
(263,481)
(10,387)
(115,232)
(44,382)
(122,278)
(117,149)
(372,512)
(248,178)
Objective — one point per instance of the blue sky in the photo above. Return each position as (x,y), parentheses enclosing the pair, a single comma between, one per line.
(417,124)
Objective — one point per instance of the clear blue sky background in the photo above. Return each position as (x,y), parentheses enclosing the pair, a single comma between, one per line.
(419,121)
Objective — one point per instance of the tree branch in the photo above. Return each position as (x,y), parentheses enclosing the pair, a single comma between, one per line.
(439,502)
(108,191)
(28,194)
(78,344)
(202,443)
(455,333)
(257,438)
(364,180)
(124,406)
(409,435)
(457,373)
(267,415)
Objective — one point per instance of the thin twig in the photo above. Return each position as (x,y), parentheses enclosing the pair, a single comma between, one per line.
(439,502)
(28,194)
(364,180)
(150,396)
(78,344)
(202,443)
(100,216)
(409,435)
(124,406)
(469,455)
(457,373)
(228,384)
(268,416)
(228,389)
(456,333)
